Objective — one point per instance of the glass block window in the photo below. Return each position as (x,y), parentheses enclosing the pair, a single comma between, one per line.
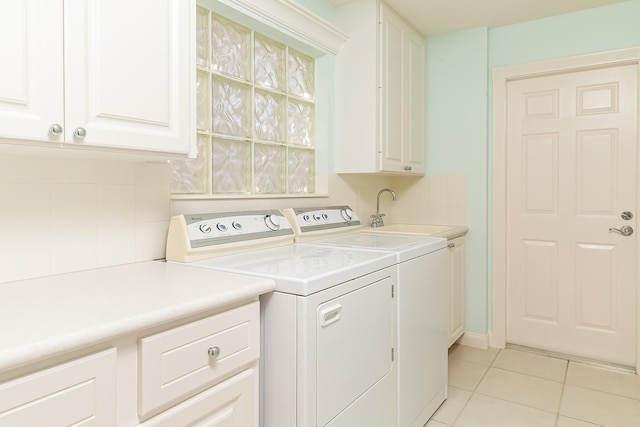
(255,114)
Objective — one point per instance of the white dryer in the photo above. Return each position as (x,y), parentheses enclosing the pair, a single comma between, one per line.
(422,298)
(328,330)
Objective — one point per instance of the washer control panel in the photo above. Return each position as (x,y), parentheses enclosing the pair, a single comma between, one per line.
(220,228)
(319,219)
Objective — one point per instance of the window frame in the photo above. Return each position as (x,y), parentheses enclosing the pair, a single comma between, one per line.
(287,22)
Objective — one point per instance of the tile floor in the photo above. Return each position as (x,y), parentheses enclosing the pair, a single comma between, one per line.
(514,388)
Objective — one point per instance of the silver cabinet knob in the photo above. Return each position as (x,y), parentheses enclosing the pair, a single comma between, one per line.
(625,230)
(80,133)
(214,352)
(451,245)
(55,129)
(408,168)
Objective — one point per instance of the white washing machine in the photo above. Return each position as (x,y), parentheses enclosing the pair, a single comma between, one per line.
(328,330)
(422,298)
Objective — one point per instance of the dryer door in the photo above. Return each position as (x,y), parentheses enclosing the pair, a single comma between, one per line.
(354,341)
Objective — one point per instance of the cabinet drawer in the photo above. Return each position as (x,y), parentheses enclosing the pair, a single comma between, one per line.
(176,364)
(233,403)
(81,392)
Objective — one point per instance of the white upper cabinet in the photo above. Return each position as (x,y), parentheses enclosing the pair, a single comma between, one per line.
(31,76)
(118,74)
(379,92)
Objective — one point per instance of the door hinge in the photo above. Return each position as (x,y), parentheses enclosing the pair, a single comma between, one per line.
(392,354)
(393,291)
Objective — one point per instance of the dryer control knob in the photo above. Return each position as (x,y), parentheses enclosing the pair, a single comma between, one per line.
(272,222)
(205,228)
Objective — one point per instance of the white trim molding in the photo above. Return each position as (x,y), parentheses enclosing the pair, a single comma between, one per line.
(292,17)
(501,77)
(480,341)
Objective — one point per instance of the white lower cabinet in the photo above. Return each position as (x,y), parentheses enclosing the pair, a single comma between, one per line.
(81,392)
(182,361)
(229,404)
(456,289)
(204,372)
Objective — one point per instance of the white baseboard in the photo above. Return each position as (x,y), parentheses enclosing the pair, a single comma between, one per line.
(475,340)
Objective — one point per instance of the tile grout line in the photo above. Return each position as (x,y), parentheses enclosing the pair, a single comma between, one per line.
(474,391)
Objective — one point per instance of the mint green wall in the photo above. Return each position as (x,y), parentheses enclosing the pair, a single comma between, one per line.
(456,134)
(458,144)
(322,8)
(593,30)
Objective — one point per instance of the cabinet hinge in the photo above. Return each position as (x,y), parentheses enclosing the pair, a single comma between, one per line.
(392,354)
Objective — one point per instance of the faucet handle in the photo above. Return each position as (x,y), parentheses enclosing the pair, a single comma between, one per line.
(378,216)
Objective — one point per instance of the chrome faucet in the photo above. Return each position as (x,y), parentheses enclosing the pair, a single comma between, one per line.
(376,220)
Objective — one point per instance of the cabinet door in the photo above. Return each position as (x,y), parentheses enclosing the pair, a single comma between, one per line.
(414,144)
(402,96)
(81,392)
(456,264)
(392,128)
(31,79)
(129,70)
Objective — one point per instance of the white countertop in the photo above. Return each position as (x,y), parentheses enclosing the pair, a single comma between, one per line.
(45,317)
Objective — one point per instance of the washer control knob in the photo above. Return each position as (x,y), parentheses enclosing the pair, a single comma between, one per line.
(306,217)
(325,216)
(222,227)
(205,228)
(272,222)
(316,217)
(236,225)
(347,214)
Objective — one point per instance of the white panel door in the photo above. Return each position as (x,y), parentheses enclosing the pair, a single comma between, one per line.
(128,73)
(31,79)
(571,156)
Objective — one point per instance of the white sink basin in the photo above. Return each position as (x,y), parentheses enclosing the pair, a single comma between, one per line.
(413,228)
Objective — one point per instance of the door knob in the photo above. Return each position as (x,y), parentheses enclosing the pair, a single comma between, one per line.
(625,230)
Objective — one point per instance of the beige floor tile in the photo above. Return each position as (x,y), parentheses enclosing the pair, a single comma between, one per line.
(485,411)
(451,408)
(599,407)
(527,363)
(572,422)
(602,379)
(474,355)
(433,423)
(523,389)
(465,375)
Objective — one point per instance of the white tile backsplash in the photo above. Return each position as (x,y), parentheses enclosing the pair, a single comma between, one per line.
(421,200)
(60,215)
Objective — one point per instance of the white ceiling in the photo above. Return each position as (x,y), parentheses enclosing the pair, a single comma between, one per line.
(444,16)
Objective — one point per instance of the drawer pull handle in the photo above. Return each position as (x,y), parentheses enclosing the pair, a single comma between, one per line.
(214,352)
